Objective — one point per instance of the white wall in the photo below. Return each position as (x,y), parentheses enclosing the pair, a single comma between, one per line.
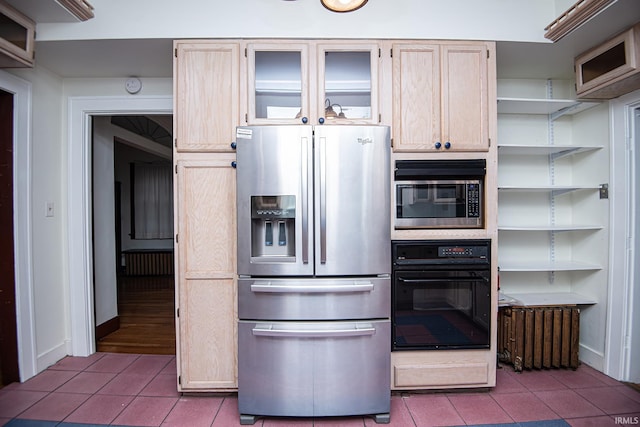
(521,20)
(50,292)
(104,222)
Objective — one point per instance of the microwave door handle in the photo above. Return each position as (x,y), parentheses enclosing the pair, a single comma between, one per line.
(323,200)
(304,194)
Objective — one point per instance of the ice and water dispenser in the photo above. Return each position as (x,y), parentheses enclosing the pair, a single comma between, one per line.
(273,227)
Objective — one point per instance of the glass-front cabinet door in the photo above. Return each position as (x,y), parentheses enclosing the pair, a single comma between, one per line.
(278,83)
(348,83)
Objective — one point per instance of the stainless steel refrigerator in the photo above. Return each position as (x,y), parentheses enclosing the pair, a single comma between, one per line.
(314,269)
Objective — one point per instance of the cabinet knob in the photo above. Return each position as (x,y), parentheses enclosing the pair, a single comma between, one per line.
(447,145)
(321,120)
(438,145)
(234,145)
(305,120)
(234,164)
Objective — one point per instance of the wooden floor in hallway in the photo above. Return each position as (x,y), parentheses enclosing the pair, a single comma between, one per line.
(146,306)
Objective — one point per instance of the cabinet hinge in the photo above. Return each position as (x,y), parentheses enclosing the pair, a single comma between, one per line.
(488,54)
(176,238)
(180,379)
(379,53)
(175,142)
(176,169)
(379,118)
(489,142)
(178,312)
(246,118)
(245,52)
(391,53)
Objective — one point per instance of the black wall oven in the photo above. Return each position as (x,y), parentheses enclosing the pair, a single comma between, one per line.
(441,297)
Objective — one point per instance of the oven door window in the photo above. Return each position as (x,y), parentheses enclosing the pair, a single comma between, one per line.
(441,310)
(430,200)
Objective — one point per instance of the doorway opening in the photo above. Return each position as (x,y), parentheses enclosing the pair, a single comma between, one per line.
(82,112)
(9,371)
(132,205)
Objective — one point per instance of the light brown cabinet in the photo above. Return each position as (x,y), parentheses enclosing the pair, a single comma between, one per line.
(441,96)
(611,69)
(207,95)
(294,82)
(17,38)
(205,278)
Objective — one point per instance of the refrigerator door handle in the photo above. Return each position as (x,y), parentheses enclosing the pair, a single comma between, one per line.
(323,200)
(267,287)
(305,202)
(360,329)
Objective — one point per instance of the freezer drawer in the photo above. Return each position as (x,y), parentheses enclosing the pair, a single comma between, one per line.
(314,368)
(314,299)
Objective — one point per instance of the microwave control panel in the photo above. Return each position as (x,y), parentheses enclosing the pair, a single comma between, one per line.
(473,200)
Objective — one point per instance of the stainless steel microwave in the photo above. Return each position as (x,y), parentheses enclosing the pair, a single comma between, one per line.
(439,194)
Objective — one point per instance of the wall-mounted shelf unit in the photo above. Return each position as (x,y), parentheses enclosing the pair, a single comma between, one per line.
(550,223)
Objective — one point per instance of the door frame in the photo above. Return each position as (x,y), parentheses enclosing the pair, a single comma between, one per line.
(79,223)
(622,267)
(22,220)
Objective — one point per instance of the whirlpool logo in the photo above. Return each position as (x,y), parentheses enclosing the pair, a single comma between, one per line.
(366,140)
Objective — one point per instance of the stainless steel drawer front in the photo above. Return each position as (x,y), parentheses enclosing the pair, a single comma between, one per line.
(314,299)
(314,368)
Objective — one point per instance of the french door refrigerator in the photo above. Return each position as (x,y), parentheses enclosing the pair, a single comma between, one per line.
(314,269)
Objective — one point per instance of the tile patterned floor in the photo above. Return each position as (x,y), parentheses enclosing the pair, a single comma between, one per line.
(140,390)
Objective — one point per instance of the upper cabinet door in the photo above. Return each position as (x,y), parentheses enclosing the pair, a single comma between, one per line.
(416,96)
(348,83)
(465,97)
(206,95)
(278,83)
(440,97)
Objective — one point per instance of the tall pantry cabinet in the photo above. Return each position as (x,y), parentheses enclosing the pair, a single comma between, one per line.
(206,113)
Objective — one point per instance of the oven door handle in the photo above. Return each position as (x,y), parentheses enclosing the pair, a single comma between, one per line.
(356,286)
(360,329)
(447,279)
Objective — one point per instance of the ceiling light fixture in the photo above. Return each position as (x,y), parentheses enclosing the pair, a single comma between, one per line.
(343,5)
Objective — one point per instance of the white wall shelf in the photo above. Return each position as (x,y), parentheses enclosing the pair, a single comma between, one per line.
(554,228)
(552,159)
(554,107)
(558,151)
(545,299)
(548,266)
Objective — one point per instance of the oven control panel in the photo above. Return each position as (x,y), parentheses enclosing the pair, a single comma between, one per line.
(440,252)
(462,251)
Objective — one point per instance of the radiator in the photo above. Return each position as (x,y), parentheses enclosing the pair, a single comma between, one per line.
(539,337)
(148,263)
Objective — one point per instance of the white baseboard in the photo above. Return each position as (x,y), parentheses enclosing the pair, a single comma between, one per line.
(592,358)
(52,356)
